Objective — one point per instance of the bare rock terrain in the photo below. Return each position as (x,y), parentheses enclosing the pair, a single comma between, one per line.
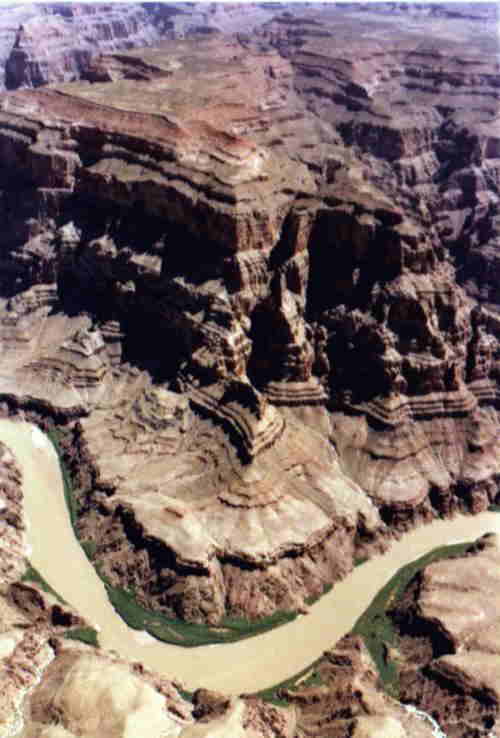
(231,265)
(252,278)
(58,688)
(45,43)
(348,701)
(55,42)
(450,634)
(11,17)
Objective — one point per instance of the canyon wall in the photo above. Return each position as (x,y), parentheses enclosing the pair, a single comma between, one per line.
(58,42)
(253,281)
(56,686)
(237,268)
(46,43)
(447,622)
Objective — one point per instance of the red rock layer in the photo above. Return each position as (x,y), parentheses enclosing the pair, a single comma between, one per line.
(236,263)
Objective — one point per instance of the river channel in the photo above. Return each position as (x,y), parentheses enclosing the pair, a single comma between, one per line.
(246,666)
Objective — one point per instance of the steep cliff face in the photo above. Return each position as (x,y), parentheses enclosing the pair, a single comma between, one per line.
(58,42)
(48,43)
(346,699)
(11,18)
(429,109)
(397,327)
(203,279)
(235,263)
(182,20)
(449,635)
(54,685)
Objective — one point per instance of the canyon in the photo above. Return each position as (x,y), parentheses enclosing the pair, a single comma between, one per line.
(48,42)
(77,681)
(43,43)
(249,277)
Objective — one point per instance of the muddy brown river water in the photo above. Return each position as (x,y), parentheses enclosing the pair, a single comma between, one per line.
(246,666)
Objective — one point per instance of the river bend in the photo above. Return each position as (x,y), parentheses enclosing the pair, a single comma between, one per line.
(245,666)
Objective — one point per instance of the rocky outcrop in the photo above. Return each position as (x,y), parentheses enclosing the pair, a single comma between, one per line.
(449,625)
(253,281)
(193,543)
(267,454)
(187,20)
(375,98)
(59,42)
(12,525)
(345,700)
(47,43)
(54,685)
(232,265)
(11,17)
(28,615)
(83,692)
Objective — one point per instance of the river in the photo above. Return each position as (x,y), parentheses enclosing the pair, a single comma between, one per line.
(246,666)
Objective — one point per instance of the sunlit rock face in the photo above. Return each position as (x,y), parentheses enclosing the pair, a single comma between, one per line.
(450,640)
(238,263)
(46,43)
(55,686)
(359,709)
(52,42)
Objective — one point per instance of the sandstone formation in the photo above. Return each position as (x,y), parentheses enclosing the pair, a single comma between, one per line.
(229,266)
(182,20)
(55,42)
(252,279)
(90,694)
(347,701)
(450,641)
(11,17)
(58,43)
(249,476)
(58,688)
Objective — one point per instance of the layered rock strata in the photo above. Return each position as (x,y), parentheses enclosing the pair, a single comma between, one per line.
(346,699)
(10,20)
(450,641)
(42,43)
(57,688)
(12,542)
(226,264)
(58,43)
(184,20)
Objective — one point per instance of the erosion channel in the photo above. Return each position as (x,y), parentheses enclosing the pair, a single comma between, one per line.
(246,666)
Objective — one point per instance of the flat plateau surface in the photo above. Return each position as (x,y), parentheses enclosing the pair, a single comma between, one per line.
(246,666)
